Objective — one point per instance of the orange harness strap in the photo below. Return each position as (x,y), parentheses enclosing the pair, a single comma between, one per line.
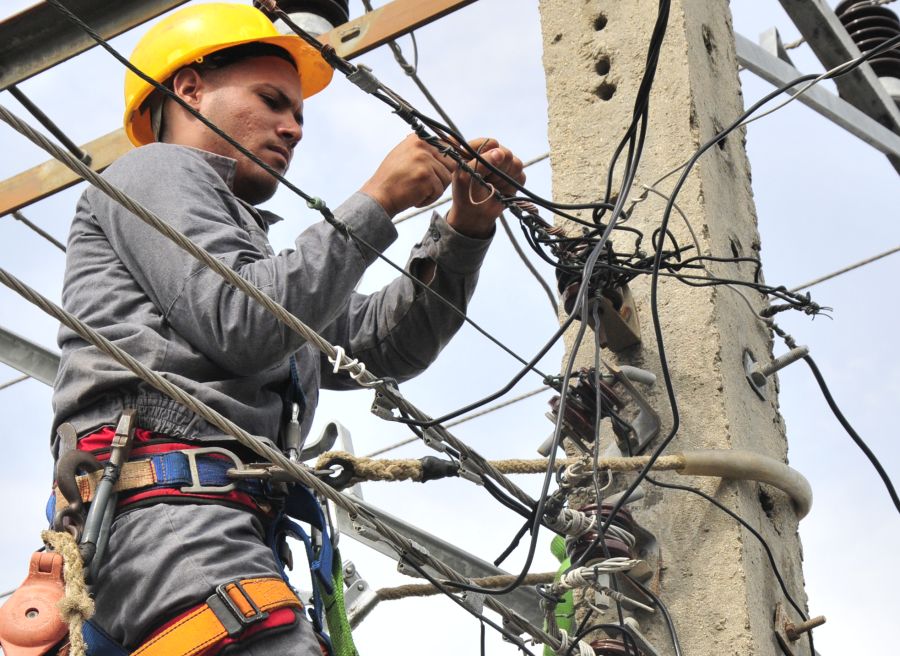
(227,613)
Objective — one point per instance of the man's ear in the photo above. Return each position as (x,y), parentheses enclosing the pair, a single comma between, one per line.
(189,86)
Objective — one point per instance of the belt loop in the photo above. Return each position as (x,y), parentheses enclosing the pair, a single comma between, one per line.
(228,612)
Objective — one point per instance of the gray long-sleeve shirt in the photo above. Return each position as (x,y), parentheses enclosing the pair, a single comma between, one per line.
(172,313)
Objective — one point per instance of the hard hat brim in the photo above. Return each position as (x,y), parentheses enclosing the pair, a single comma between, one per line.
(315,74)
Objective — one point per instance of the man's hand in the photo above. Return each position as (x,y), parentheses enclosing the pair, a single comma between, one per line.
(414,174)
(474,210)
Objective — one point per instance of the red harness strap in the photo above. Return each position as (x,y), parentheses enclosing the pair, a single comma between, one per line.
(99,443)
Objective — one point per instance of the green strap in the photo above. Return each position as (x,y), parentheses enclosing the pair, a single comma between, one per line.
(565,610)
(336,612)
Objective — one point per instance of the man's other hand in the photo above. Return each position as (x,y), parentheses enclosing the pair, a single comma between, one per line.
(475,208)
(413,174)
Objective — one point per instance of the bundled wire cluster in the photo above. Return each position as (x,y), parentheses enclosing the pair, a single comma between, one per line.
(587,266)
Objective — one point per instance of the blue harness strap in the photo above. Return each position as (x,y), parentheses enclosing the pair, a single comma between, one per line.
(173,470)
(100,644)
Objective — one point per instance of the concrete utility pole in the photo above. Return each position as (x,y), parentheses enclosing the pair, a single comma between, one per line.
(714,576)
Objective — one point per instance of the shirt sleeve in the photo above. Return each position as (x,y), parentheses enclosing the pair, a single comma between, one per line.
(315,281)
(400,330)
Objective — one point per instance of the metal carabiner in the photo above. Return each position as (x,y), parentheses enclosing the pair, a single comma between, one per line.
(72,517)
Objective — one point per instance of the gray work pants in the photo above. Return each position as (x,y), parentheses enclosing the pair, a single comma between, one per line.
(167,558)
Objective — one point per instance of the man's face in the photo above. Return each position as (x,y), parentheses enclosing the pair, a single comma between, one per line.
(258,102)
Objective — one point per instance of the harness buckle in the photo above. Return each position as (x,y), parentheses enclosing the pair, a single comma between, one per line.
(195,485)
(229,613)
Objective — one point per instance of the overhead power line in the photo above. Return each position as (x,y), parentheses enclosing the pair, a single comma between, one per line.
(851,267)
(18,216)
(12,382)
(461,420)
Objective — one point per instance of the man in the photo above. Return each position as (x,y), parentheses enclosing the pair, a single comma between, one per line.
(170,549)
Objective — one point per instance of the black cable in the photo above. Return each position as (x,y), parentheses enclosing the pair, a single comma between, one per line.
(754,533)
(513,543)
(832,404)
(516,640)
(662,608)
(634,151)
(503,390)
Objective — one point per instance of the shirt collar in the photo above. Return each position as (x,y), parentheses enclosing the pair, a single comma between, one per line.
(226,167)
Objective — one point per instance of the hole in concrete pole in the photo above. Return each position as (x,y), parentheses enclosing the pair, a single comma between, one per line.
(767,503)
(708,41)
(600,22)
(721,143)
(602,65)
(557,38)
(606,90)
(736,249)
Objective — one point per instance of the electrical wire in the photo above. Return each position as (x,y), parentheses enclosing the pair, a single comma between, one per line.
(676,644)
(18,216)
(446,199)
(461,420)
(654,304)
(846,269)
(762,541)
(832,404)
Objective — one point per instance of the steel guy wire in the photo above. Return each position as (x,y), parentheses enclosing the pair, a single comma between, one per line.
(313,202)
(406,549)
(357,370)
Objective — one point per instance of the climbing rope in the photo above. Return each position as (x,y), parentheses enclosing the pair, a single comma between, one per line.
(428,590)
(409,469)
(77,605)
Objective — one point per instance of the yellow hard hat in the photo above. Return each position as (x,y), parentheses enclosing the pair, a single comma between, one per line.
(192,33)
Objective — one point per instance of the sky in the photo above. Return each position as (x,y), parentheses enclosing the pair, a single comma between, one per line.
(824,199)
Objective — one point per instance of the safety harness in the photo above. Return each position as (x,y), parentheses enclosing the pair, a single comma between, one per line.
(159,466)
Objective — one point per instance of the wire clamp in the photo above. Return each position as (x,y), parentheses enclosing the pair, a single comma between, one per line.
(364,79)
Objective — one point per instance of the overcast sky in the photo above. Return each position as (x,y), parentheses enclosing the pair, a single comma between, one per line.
(824,200)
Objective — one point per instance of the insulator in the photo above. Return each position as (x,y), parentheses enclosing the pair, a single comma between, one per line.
(870,26)
(612,648)
(584,544)
(314,16)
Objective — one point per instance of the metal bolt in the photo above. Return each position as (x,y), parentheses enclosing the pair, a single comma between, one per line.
(361,586)
(794,631)
(760,373)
